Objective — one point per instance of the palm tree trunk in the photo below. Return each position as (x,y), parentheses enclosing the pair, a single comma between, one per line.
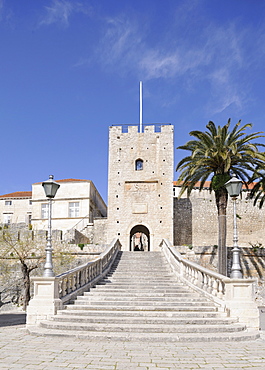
(221,203)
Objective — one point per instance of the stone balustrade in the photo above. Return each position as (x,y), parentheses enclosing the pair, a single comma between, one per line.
(50,294)
(234,296)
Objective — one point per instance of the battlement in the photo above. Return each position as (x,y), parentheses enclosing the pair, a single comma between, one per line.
(147,128)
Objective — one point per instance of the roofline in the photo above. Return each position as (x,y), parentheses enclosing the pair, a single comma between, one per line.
(207,185)
(65,180)
(18,194)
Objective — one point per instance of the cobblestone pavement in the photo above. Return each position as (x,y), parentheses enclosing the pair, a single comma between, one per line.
(20,350)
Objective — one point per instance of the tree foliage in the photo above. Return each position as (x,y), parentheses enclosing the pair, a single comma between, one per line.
(220,151)
(258,191)
(21,249)
(214,155)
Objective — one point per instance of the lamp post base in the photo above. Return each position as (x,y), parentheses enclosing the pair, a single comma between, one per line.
(236,271)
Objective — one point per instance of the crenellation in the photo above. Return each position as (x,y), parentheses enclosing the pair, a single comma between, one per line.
(133,129)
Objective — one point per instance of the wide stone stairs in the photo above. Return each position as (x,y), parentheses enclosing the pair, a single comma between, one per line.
(142,299)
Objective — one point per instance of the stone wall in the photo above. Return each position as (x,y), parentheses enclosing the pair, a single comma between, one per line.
(196,222)
(252,259)
(97,232)
(140,198)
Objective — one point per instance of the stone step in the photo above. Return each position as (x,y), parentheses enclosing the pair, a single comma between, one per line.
(136,302)
(142,287)
(246,335)
(139,273)
(141,299)
(147,300)
(137,293)
(133,291)
(80,311)
(130,283)
(186,308)
(76,317)
(140,328)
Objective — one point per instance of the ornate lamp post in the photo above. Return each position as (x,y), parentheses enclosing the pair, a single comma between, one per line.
(234,186)
(50,188)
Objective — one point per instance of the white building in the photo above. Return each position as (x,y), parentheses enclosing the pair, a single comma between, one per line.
(76,202)
(16,207)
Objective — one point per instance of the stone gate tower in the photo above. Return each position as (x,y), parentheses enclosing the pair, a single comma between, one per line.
(140,201)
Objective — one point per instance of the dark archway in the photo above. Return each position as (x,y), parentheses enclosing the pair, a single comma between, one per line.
(140,239)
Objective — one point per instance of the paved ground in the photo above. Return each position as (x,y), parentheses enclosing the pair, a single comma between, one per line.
(19,350)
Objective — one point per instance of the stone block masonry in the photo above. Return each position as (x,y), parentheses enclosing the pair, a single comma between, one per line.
(140,184)
(196,221)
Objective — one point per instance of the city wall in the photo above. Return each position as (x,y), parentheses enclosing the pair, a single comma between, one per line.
(196,221)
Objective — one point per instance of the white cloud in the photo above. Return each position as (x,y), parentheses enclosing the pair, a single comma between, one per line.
(61,10)
(120,43)
(190,55)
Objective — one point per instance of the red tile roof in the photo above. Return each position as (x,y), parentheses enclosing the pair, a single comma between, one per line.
(18,194)
(65,180)
(207,185)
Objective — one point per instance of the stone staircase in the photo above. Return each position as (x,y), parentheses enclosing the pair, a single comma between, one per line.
(141,299)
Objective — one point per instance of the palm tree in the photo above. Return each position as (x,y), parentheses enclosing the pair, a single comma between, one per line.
(217,153)
(258,190)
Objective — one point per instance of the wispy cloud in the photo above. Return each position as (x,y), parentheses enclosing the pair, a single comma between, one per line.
(121,42)
(60,11)
(6,13)
(124,45)
(191,55)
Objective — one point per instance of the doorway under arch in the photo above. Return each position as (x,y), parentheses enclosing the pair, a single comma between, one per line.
(140,239)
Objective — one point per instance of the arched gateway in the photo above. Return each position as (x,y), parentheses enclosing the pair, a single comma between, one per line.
(140,239)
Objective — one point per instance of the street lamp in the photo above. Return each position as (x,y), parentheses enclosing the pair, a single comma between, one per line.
(50,188)
(234,186)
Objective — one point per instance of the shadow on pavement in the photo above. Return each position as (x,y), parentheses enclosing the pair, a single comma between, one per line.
(12,319)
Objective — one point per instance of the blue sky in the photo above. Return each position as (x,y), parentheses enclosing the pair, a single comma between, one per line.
(70,69)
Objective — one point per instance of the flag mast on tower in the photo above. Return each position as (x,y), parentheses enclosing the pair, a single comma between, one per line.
(141,106)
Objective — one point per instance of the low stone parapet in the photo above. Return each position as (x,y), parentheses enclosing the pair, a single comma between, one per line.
(51,293)
(234,296)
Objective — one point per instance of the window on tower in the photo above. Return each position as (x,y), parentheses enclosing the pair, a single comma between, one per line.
(138,164)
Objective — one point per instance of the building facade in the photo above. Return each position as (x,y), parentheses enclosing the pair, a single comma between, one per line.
(140,204)
(16,208)
(76,202)
(76,205)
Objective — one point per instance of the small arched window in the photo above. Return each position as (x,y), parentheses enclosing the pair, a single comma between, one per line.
(138,164)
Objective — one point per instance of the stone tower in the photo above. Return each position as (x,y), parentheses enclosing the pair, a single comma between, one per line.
(140,201)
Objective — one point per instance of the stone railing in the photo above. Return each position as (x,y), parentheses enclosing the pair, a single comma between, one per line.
(69,236)
(50,294)
(234,296)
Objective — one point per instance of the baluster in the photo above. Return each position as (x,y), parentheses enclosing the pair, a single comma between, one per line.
(192,275)
(209,287)
(69,284)
(205,282)
(196,277)
(200,279)
(87,274)
(60,283)
(64,287)
(221,289)
(78,280)
(215,286)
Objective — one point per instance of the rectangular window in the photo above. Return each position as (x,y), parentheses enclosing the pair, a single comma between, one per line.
(8,203)
(74,209)
(44,210)
(7,219)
